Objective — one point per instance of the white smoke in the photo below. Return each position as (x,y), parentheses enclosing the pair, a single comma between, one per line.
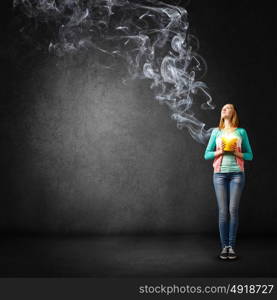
(150,36)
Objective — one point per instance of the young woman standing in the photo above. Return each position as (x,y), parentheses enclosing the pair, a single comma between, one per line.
(228,146)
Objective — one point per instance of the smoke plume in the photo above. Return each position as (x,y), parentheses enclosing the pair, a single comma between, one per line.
(151,37)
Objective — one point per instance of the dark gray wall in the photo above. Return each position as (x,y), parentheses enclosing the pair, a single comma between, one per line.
(82,152)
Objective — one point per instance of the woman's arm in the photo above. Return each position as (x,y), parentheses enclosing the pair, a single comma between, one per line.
(246,151)
(209,152)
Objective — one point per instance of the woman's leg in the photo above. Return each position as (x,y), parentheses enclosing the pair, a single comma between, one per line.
(237,182)
(221,191)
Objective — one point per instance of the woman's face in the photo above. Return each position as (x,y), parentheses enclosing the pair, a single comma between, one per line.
(227,111)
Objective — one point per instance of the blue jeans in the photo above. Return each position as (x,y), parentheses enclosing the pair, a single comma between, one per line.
(228,189)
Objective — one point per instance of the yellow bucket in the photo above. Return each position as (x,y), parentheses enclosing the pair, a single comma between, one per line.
(229,142)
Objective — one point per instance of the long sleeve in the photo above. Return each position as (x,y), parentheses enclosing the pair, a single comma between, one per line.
(209,152)
(246,148)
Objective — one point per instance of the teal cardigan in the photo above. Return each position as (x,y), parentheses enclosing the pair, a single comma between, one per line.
(246,148)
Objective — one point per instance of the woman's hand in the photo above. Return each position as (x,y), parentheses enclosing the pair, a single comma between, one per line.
(235,150)
(220,151)
(222,146)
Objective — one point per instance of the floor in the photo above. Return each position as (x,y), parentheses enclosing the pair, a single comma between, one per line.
(134,256)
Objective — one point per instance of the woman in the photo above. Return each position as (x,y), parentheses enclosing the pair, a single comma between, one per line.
(229,147)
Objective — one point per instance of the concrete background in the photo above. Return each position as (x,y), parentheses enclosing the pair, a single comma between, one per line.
(83,153)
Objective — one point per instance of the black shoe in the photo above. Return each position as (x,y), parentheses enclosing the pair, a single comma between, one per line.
(231,253)
(224,253)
